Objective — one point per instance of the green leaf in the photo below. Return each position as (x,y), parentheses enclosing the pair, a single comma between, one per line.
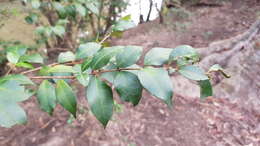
(205,89)
(11,114)
(58,30)
(215,67)
(128,56)
(184,51)
(66,57)
(20,79)
(83,78)
(62,22)
(123,25)
(47,31)
(60,8)
(46,97)
(126,18)
(40,30)
(93,6)
(157,56)
(128,87)
(13,57)
(18,49)
(44,71)
(86,64)
(66,97)
(15,52)
(33,58)
(81,9)
(12,91)
(71,11)
(103,57)
(100,99)
(36,4)
(87,50)
(24,65)
(61,69)
(193,73)
(158,83)
(32,18)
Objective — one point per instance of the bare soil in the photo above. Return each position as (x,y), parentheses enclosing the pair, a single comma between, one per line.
(213,122)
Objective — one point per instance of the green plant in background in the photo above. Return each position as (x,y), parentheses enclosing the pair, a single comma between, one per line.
(69,19)
(18,57)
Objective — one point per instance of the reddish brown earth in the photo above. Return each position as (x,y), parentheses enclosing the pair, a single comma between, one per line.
(214,122)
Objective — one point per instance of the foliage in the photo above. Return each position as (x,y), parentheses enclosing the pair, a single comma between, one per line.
(19,55)
(98,68)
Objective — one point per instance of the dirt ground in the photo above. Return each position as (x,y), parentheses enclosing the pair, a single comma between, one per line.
(213,122)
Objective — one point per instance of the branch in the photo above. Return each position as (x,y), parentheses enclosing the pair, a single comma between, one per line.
(95,72)
(105,38)
(113,70)
(53,77)
(50,65)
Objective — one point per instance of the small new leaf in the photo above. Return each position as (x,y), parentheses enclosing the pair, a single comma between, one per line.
(13,57)
(218,68)
(24,65)
(183,55)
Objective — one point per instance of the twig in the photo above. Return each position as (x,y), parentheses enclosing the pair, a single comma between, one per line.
(73,77)
(50,65)
(9,71)
(38,68)
(53,77)
(105,38)
(114,70)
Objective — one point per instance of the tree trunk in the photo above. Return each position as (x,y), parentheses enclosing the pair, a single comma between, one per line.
(150,10)
(160,13)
